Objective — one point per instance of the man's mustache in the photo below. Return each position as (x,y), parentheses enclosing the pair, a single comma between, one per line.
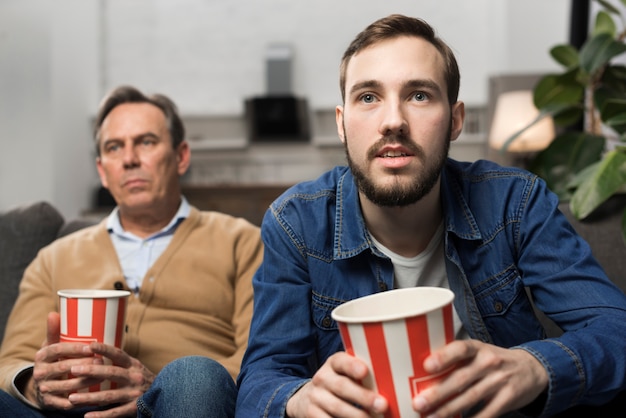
(399,139)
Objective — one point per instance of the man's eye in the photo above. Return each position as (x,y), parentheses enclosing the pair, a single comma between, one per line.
(111,148)
(420,96)
(367,98)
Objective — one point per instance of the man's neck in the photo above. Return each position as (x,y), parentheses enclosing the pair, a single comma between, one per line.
(147,221)
(405,230)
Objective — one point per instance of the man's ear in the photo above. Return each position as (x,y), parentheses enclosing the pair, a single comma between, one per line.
(101,174)
(339,121)
(458,117)
(183,156)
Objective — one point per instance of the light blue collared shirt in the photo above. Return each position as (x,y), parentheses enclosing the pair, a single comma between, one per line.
(136,255)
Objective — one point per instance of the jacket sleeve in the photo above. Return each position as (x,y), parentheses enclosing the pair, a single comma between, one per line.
(587,363)
(278,360)
(26,326)
(248,255)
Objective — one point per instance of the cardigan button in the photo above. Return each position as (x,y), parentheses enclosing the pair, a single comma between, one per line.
(118,285)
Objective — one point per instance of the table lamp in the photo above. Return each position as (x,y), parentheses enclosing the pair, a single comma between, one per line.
(515,110)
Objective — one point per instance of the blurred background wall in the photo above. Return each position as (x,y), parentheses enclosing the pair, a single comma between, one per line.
(58,58)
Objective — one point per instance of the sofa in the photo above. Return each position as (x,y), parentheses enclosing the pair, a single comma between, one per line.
(23,231)
(26,229)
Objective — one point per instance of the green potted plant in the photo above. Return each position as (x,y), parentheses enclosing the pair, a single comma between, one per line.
(586,165)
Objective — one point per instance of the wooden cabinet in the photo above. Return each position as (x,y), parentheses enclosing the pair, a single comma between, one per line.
(246,201)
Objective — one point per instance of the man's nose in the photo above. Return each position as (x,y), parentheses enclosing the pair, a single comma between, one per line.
(130,157)
(394,119)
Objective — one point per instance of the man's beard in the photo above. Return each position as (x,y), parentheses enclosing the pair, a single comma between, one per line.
(399,193)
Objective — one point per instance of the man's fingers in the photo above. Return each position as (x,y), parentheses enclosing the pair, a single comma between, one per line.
(53,333)
(345,364)
(59,369)
(348,370)
(103,372)
(56,352)
(61,388)
(450,355)
(116,355)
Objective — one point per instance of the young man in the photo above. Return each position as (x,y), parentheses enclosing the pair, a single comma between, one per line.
(402,215)
(190,273)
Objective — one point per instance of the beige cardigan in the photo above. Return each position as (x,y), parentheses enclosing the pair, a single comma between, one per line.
(195,300)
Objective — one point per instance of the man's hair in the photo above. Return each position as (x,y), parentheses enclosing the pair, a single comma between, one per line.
(394,26)
(129,94)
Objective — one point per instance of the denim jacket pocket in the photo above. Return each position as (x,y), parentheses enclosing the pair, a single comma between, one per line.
(506,310)
(498,293)
(322,308)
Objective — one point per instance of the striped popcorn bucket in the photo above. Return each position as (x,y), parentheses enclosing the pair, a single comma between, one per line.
(89,315)
(393,332)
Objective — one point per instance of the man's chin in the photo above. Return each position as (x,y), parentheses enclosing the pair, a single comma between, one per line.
(137,203)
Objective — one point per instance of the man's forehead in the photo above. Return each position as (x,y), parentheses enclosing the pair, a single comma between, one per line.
(136,109)
(401,57)
(133,116)
(133,120)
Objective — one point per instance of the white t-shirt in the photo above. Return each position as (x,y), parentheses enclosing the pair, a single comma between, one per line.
(428,268)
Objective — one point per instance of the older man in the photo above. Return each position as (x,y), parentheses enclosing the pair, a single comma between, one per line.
(189,272)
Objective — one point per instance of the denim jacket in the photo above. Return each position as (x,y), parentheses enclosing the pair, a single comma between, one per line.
(503,234)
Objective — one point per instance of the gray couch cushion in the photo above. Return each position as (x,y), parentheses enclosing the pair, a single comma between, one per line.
(23,231)
(603,231)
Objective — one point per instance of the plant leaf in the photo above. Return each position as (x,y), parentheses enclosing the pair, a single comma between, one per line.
(608,178)
(583,175)
(561,95)
(566,55)
(617,123)
(569,116)
(567,155)
(608,6)
(598,50)
(604,24)
(614,80)
(613,113)
(558,89)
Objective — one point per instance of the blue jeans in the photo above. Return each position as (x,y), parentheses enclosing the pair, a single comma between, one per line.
(191,386)
(11,407)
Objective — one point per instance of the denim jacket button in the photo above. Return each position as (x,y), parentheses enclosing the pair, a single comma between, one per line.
(326,322)
(382,286)
(498,306)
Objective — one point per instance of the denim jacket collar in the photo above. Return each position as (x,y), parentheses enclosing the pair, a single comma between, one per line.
(458,216)
(352,237)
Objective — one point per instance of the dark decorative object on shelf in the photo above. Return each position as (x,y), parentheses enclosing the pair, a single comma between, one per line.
(277,119)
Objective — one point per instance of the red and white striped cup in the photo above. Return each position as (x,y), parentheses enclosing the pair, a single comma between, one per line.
(393,332)
(90,315)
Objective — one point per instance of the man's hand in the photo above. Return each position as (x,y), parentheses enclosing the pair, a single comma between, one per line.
(132,377)
(51,388)
(335,391)
(503,379)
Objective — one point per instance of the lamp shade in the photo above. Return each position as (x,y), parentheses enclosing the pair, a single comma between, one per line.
(514,111)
